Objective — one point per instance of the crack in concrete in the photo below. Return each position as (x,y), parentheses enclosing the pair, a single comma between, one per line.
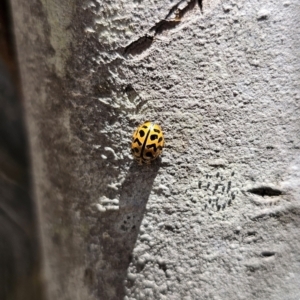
(143,43)
(265,191)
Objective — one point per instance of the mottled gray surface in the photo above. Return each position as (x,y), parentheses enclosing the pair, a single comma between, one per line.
(218,216)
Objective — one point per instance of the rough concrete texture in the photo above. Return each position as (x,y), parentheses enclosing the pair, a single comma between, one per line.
(218,216)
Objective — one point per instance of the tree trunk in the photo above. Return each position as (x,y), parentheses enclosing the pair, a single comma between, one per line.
(218,216)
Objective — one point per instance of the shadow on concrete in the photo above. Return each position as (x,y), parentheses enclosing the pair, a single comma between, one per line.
(118,230)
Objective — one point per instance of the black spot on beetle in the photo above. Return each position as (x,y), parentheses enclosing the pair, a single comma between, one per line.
(156,130)
(152,146)
(149,154)
(137,141)
(136,150)
(153,137)
(160,139)
(142,133)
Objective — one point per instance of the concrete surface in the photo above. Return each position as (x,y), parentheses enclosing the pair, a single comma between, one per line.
(218,216)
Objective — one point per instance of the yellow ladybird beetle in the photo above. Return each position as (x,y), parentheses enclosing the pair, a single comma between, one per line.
(147,142)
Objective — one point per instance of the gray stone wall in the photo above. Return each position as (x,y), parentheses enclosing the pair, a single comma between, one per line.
(218,216)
